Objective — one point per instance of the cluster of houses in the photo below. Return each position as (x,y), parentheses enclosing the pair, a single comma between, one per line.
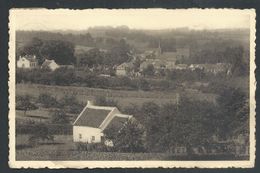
(31,62)
(162,60)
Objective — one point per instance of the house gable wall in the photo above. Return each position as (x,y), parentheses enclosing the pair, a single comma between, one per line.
(23,63)
(87,134)
(53,66)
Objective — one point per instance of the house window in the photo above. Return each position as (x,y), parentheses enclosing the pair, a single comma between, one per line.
(80,136)
(92,138)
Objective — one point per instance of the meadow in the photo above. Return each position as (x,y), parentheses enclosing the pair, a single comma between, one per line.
(63,148)
(123,97)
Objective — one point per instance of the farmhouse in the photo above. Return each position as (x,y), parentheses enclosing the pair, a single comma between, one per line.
(124,68)
(27,62)
(50,64)
(93,120)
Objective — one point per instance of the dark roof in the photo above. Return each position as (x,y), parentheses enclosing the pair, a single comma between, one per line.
(30,58)
(117,123)
(92,117)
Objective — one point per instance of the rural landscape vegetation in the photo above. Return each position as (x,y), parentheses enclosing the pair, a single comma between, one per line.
(187,89)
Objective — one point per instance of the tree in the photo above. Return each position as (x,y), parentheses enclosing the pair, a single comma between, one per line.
(149,70)
(129,139)
(136,64)
(103,101)
(47,100)
(60,51)
(34,48)
(91,58)
(63,76)
(143,84)
(71,104)
(40,133)
(59,117)
(119,53)
(233,112)
(24,103)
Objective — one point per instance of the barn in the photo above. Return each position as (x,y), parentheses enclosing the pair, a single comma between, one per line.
(93,120)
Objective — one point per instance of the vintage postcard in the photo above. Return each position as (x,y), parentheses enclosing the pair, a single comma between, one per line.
(132,88)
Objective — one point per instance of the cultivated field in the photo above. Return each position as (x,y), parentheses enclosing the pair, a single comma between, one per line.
(38,115)
(124,98)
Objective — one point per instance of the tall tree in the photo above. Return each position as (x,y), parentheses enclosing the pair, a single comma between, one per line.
(60,51)
(25,103)
(34,48)
(129,139)
(59,117)
(233,112)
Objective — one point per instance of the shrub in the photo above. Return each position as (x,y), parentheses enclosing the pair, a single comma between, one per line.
(40,133)
(103,101)
(47,100)
(98,147)
(25,103)
(59,117)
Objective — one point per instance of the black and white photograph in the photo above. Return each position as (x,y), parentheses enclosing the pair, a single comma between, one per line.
(132,88)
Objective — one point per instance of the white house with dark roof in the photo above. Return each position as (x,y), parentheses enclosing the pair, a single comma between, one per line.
(27,62)
(50,64)
(93,120)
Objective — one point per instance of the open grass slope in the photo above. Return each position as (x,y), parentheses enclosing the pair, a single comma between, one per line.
(63,148)
(123,97)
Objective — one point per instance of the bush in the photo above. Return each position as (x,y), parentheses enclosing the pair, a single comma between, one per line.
(98,147)
(25,103)
(103,101)
(47,100)
(59,117)
(40,133)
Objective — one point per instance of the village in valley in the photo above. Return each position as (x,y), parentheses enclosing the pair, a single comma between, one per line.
(115,93)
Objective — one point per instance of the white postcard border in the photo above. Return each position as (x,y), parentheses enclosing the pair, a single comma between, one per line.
(130,164)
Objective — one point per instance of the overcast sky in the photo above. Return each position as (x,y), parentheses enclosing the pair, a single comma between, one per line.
(43,19)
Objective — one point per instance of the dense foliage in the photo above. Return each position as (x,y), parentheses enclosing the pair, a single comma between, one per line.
(192,123)
(60,51)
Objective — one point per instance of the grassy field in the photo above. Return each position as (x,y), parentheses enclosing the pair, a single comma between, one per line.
(38,115)
(63,148)
(124,98)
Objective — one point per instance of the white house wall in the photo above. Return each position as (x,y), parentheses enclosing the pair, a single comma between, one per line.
(53,66)
(86,134)
(23,63)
